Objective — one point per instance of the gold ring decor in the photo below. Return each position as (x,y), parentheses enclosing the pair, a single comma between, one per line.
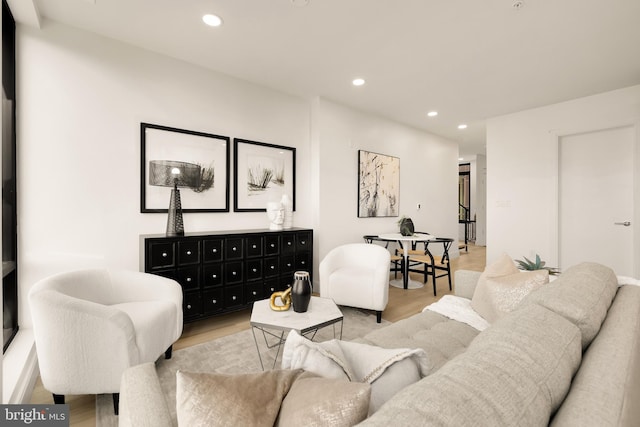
(285,297)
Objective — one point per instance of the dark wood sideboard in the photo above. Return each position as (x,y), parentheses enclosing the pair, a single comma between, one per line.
(228,270)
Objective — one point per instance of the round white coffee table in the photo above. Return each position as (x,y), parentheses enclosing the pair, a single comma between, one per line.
(407,282)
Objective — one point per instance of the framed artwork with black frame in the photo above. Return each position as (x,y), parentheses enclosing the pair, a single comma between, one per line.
(378,185)
(197,162)
(262,173)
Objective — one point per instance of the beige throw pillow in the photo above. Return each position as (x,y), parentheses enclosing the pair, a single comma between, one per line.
(502,287)
(315,401)
(210,399)
(205,399)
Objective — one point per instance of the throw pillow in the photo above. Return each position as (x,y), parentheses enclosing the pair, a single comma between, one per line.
(315,401)
(280,397)
(231,400)
(387,370)
(501,295)
(502,287)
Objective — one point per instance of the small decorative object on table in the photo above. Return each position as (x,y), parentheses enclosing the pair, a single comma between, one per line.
(406,226)
(285,297)
(301,291)
(287,207)
(275,213)
(529,265)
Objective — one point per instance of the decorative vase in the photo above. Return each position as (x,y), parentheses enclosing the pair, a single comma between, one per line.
(300,291)
(406,227)
(287,206)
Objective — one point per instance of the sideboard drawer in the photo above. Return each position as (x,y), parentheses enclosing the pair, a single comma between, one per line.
(212,250)
(188,252)
(162,255)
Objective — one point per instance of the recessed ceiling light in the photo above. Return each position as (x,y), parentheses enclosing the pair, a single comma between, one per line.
(460,159)
(432,113)
(358,82)
(462,126)
(212,20)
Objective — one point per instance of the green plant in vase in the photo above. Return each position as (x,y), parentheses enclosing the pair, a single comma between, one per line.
(538,264)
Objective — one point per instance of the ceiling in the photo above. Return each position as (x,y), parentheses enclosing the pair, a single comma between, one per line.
(467,59)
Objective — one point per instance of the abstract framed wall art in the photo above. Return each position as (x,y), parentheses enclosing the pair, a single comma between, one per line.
(262,173)
(378,185)
(197,162)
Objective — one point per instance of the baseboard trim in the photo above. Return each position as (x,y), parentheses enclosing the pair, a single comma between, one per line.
(19,369)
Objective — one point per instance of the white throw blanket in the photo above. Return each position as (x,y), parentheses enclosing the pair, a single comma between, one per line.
(458,308)
(387,370)
(625,280)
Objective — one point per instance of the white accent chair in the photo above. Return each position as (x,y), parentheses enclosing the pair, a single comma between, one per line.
(91,325)
(357,275)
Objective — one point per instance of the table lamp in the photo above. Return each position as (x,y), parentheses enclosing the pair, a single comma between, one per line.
(171,173)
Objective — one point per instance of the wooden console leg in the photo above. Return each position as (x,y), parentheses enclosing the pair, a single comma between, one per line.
(378,316)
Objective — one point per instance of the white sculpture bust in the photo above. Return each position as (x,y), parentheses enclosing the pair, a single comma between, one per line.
(275,213)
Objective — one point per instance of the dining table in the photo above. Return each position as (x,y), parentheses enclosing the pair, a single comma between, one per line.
(406,242)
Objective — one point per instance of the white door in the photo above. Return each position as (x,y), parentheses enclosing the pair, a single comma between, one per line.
(596,199)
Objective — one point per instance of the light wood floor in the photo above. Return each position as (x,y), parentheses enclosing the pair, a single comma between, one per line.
(402,304)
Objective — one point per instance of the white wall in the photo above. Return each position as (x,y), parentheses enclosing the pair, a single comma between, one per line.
(428,175)
(522,169)
(82,98)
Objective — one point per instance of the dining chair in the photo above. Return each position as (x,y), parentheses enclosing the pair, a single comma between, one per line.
(396,259)
(431,264)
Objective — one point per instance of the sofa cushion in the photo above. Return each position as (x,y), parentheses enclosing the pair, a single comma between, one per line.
(264,398)
(582,294)
(605,391)
(515,373)
(440,337)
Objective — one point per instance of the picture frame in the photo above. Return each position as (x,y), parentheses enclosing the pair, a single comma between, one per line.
(378,185)
(203,159)
(262,173)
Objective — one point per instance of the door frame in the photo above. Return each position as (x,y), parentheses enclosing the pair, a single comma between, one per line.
(555,136)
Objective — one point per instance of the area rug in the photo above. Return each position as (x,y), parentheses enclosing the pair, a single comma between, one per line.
(234,354)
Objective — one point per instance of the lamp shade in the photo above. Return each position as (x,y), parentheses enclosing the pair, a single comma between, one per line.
(162,174)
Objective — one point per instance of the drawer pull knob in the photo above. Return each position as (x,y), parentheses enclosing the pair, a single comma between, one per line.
(272,289)
(273,245)
(304,242)
(234,297)
(188,252)
(273,267)
(255,270)
(188,279)
(254,246)
(215,251)
(164,254)
(254,293)
(289,243)
(234,273)
(288,264)
(214,301)
(188,306)
(234,249)
(215,276)
(303,262)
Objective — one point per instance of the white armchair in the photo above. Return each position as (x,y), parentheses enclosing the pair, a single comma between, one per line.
(357,275)
(91,325)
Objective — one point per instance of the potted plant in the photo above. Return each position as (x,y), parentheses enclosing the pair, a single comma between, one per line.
(527,264)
